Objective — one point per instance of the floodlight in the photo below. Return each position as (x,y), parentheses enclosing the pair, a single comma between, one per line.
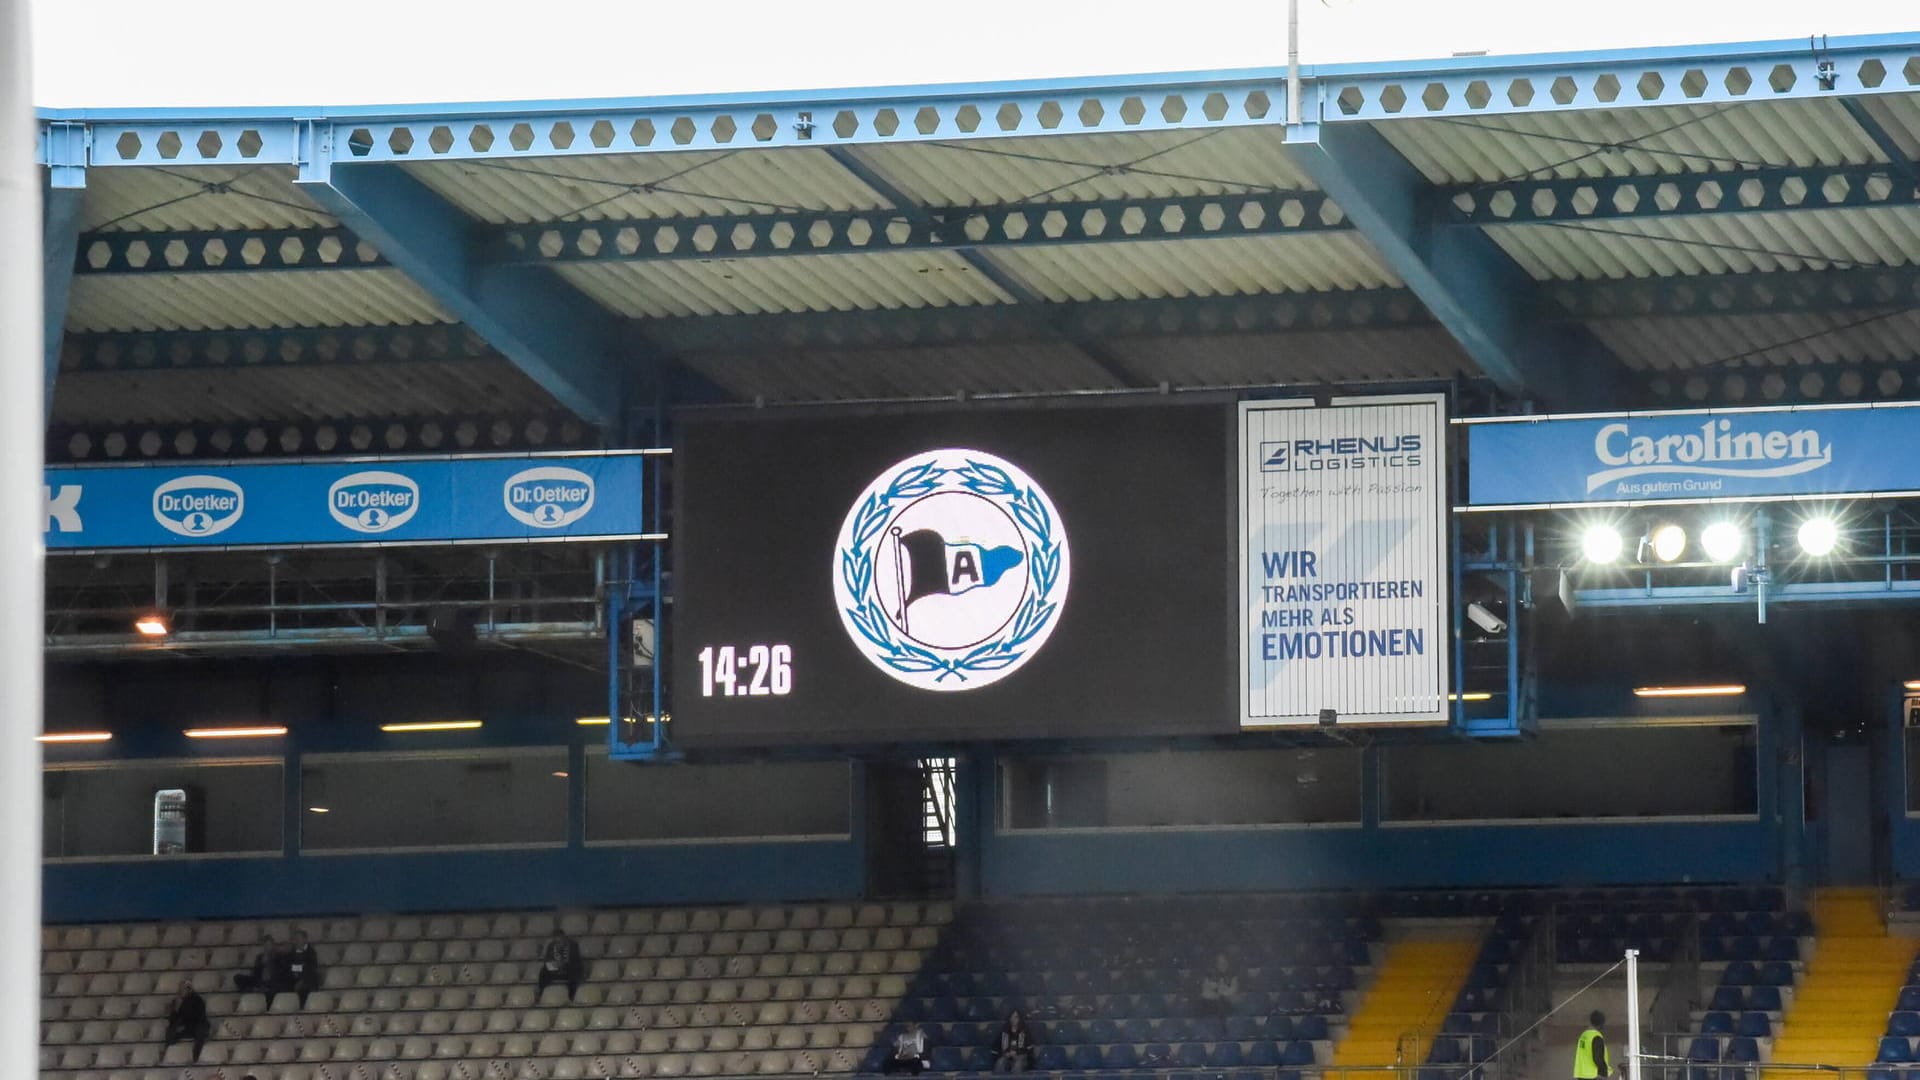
(1723,541)
(1668,541)
(1601,544)
(1819,536)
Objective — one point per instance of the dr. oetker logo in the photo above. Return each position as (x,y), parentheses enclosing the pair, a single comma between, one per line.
(549,497)
(197,506)
(951,570)
(373,502)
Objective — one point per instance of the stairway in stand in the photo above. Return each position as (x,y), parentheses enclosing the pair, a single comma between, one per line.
(1852,981)
(1399,1014)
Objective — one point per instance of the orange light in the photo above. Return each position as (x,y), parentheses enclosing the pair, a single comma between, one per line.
(152,625)
(75,736)
(433,725)
(1718,690)
(263,732)
(592,721)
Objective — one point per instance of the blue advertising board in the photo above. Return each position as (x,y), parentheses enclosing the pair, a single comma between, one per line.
(1785,453)
(441,500)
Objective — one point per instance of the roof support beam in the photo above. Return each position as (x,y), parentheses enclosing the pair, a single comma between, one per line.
(63,198)
(562,340)
(1638,198)
(1008,283)
(1473,288)
(1897,158)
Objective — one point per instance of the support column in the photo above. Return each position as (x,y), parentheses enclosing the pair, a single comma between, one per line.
(973,822)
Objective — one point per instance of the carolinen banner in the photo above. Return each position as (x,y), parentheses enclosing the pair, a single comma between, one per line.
(366,502)
(1343,561)
(1632,458)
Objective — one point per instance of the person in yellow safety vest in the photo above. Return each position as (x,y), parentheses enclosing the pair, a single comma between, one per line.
(1590,1053)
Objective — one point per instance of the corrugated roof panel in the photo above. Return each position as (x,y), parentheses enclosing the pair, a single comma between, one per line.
(1306,357)
(1078,167)
(1308,262)
(295,392)
(1688,138)
(1761,341)
(220,197)
(828,375)
(788,283)
(248,301)
(1650,247)
(647,185)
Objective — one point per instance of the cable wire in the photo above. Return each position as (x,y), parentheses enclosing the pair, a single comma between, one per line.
(1571,998)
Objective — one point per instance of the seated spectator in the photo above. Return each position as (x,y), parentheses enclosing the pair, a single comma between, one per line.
(187,1019)
(909,1051)
(261,974)
(1219,989)
(560,963)
(1013,1047)
(302,968)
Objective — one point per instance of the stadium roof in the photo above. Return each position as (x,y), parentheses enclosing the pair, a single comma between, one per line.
(1714,224)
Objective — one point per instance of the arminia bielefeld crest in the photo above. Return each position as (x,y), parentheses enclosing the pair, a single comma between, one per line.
(951,569)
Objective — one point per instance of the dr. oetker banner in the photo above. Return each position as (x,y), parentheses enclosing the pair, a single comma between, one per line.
(1343,561)
(1677,457)
(365,502)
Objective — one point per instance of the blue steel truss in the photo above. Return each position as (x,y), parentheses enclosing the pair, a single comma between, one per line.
(60,232)
(1015,225)
(1465,86)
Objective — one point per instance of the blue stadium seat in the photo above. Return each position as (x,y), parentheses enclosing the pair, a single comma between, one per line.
(1776,973)
(1782,948)
(1311,1026)
(875,1056)
(1704,1048)
(1713,949)
(1252,1003)
(1885,1074)
(1174,1029)
(1297,1053)
(1743,947)
(1289,1001)
(1050,1058)
(1743,1049)
(1894,1050)
(1156,1056)
(1209,1029)
(1115,1007)
(1727,999)
(944,1059)
(1122,1057)
(1795,924)
(1756,1025)
(1137,1030)
(1716,1023)
(1101,1031)
(1904,1024)
(1191,1055)
(1445,1052)
(1456,1024)
(1243,1028)
(1152,1005)
(1764,998)
(1481,1048)
(1225,1055)
(1739,973)
(1087,1058)
(1264,1054)
(1909,999)
(1064,1032)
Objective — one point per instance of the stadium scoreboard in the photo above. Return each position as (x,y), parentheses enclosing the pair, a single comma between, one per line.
(1048,573)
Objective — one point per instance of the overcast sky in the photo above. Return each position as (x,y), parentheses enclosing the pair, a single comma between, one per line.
(346,52)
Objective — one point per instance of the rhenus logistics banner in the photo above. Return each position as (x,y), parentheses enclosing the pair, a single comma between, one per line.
(526,497)
(1693,456)
(1343,557)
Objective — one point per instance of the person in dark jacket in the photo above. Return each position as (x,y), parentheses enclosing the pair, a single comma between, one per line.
(260,974)
(302,968)
(560,963)
(187,1019)
(1013,1047)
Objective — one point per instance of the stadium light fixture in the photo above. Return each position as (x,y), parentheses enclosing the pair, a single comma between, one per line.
(593,721)
(153,624)
(1601,544)
(319,810)
(1471,695)
(1667,542)
(1911,684)
(1708,690)
(1723,541)
(264,731)
(75,736)
(431,725)
(1819,536)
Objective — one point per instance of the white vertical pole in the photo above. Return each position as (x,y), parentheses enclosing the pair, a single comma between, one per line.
(22,430)
(1293,63)
(1633,1014)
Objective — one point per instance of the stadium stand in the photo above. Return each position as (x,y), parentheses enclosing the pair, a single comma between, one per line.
(671,992)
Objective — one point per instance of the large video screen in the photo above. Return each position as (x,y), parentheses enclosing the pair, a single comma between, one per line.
(956,575)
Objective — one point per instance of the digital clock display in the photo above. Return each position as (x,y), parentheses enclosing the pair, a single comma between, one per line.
(746,671)
(965,574)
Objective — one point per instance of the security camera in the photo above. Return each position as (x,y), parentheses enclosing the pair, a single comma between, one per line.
(1486,620)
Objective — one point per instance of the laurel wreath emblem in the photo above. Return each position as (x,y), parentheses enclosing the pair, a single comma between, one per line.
(1029,510)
